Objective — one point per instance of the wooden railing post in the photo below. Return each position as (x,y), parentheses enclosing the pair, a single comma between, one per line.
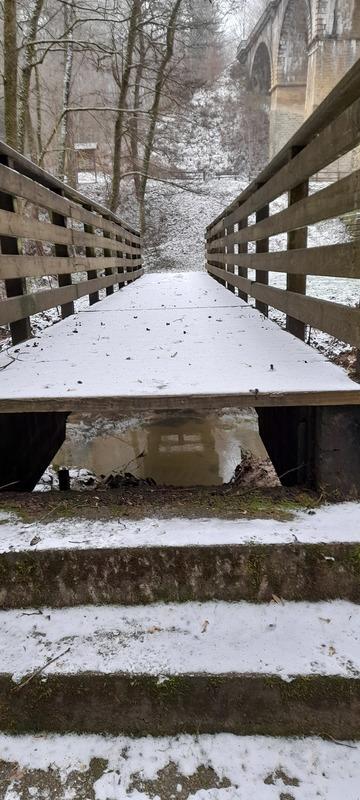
(108,254)
(20,330)
(297,240)
(134,257)
(62,251)
(243,248)
(119,255)
(262,246)
(90,253)
(212,241)
(220,250)
(230,249)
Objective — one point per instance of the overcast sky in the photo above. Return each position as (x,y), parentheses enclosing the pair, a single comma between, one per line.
(244,16)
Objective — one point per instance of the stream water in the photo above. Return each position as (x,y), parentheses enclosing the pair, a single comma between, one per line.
(174,450)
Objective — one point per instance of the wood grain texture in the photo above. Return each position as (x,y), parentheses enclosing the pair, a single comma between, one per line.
(338,261)
(22,306)
(333,318)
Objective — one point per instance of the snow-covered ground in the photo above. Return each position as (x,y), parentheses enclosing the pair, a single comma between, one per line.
(328,524)
(222,767)
(217,638)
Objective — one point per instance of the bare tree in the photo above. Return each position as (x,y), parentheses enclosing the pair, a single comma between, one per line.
(10,72)
(29,55)
(64,139)
(122,79)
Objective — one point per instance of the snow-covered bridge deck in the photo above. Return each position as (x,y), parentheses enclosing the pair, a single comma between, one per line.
(168,341)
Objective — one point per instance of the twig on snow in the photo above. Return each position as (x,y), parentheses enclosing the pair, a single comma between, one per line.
(39,671)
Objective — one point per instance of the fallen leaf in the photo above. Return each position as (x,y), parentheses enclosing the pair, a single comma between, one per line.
(278,600)
(154,629)
(205,626)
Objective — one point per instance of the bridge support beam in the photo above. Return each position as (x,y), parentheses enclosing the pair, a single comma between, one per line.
(336,457)
(28,443)
(314,447)
(285,432)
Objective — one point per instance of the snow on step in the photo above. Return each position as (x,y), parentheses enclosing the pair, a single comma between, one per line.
(328,524)
(221,767)
(214,638)
(216,351)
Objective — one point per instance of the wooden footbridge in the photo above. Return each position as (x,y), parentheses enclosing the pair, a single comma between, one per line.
(189,340)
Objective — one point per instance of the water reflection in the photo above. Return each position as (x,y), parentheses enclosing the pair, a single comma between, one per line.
(181,450)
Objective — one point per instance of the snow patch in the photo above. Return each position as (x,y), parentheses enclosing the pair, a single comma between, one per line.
(255,767)
(216,638)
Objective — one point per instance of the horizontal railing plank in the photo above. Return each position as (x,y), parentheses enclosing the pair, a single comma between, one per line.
(37,266)
(328,203)
(26,305)
(332,318)
(341,136)
(336,261)
(18,185)
(17,226)
(27,168)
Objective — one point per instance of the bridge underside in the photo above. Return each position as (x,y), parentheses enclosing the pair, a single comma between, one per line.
(179,341)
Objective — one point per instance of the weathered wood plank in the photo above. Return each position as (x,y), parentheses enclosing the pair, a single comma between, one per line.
(328,203)
(26,305)
(129,405)
(297,240)
(333,318)
(108,271)
(341,136)
(62,251)
(21,329)
(92,274)
(243,248)
(17,226)
(230,249)
(30,170)
(337,261)
(36,266)
(20,186)
(262,246)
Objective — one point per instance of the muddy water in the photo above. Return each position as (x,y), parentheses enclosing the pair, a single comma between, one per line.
(177,450)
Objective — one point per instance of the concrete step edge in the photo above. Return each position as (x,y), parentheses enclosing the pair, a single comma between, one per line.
(142,575)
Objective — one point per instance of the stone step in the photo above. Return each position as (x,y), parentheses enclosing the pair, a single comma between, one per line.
(72,562)
(220,767)
(273,669)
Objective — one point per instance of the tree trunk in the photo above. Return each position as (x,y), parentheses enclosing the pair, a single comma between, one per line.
(25,80)
(64,139)
(154,112)
(134,122)
(124,86)
(38,114)
(10,72)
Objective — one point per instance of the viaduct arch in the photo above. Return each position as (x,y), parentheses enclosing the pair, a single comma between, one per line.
(296,53)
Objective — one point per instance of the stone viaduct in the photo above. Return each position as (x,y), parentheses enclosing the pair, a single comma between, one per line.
(294,56)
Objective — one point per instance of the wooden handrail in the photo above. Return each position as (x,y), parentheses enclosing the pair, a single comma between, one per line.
(333,130)
(36,207)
